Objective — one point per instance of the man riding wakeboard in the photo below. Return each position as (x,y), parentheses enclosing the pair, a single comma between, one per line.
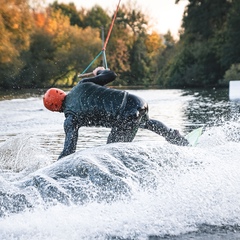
(91,104)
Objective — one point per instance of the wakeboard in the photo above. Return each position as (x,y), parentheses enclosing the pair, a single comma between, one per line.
(193,136)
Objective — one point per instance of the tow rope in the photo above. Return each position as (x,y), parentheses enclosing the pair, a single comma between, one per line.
(103,51)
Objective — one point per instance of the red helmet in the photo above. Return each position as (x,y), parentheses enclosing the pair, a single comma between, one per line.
(53,99)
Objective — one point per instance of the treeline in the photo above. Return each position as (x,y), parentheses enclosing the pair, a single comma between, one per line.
(208,53)
(43,47)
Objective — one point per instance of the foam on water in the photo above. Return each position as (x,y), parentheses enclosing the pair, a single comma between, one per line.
(23,152)
(160,189)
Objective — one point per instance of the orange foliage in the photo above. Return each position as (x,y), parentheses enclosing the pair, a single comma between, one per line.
(40,19)
(154,42)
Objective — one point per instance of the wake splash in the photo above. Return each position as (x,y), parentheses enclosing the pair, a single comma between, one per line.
(127,191)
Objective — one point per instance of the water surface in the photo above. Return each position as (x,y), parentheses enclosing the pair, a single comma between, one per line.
(148,189)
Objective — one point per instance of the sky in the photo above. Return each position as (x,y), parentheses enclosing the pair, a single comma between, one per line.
(164,14)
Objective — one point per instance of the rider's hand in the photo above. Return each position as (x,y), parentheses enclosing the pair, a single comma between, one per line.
(97,69)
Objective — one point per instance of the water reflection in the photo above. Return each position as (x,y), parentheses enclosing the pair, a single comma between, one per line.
(210,107)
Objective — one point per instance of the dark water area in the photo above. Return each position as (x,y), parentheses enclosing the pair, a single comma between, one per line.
(210,107)
(8,94)
(147,189)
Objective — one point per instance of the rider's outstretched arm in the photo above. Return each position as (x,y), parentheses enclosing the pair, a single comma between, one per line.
(102,77)
(71,136)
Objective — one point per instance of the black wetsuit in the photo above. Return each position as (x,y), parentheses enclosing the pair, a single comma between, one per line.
(92,104)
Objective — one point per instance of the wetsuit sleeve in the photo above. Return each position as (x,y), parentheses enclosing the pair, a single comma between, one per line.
(71,136)
(103,77)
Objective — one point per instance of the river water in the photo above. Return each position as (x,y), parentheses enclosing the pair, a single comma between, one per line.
(147,189)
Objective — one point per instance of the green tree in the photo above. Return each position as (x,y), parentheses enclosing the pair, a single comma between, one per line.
(140,63)
(231,47)
(203,35)
(40,66)
(117,51)
(134,22)
(59,52)
(233,73)
(165,58)
(70,11)
(130,16)
(96,17)
(155,48)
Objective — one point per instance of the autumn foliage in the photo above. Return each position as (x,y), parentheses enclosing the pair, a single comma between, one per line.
(50,46)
